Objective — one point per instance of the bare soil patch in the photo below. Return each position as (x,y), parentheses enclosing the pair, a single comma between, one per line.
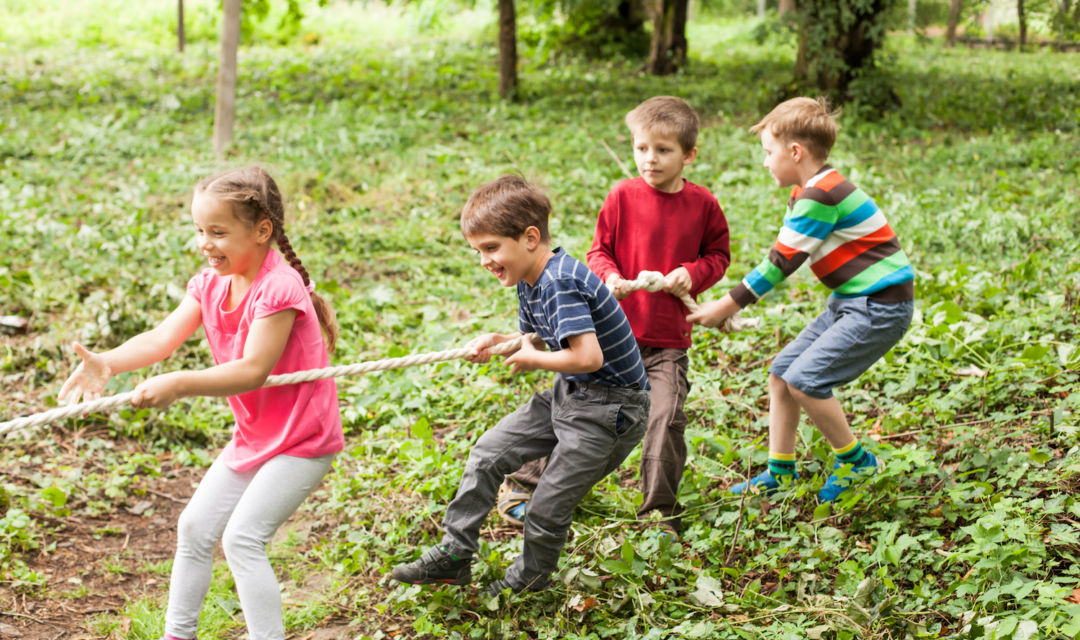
(95,564)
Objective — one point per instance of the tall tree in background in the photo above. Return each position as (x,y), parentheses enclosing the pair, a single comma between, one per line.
(508,79)
(225,106)
(954,19)
(180,25)
(838,43)
(667,50)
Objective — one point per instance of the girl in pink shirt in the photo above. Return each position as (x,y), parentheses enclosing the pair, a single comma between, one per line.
(261,317)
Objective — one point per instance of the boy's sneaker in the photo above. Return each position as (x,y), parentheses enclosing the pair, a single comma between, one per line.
(765,482)
(502,584)
(835,486)
(436,566)
(511,504)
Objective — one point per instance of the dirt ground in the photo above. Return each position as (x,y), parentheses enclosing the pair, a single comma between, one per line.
(95,565)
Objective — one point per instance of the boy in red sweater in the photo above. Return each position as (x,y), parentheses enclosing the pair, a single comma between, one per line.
(657,222)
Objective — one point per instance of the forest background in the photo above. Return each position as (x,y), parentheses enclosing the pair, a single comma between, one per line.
(378,121)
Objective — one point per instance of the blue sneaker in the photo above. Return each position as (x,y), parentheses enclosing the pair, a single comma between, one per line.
(836,485)
(765,481)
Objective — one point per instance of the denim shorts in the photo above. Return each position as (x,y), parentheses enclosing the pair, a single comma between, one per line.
(841,343)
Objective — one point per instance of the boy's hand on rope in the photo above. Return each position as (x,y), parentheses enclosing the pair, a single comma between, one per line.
(715,313)
(524,359)
(620,288)
(479,347)
(678,282)
(157,392)
(88,380)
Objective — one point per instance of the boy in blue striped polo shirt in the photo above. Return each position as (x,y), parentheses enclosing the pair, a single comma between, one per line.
(587,422)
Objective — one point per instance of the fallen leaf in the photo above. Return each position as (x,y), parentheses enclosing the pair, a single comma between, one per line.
(587,603)
(1075,597)
(970,371)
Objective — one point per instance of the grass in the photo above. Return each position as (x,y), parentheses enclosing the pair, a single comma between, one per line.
(377,122)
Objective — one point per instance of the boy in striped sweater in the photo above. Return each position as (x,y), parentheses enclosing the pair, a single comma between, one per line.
(853,251)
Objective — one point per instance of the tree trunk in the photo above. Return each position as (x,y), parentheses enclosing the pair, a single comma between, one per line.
(1022,19)
(180,25)
(508,79)
(761,8)
(786,6)
(667,48)
(954,19)
(225,108)
(832,52)
(678,32)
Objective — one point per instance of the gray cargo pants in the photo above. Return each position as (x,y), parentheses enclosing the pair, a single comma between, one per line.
(587,430)
(663,450)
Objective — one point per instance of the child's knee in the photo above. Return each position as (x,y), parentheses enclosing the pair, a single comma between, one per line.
(238,542)
(779,386)
(194,532)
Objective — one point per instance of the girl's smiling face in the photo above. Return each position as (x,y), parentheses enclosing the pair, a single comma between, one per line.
(231,246)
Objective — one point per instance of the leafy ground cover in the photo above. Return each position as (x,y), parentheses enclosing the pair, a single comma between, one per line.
(377,124)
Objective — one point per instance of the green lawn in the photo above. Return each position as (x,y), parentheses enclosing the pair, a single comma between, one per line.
(377,123)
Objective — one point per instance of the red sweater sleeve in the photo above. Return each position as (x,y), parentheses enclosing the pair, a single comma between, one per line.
(715,252)
(601,256)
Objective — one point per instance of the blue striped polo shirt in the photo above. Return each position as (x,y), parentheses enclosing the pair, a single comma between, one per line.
(568,300)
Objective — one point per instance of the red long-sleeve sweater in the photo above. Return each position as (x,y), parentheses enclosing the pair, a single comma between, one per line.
(643,229)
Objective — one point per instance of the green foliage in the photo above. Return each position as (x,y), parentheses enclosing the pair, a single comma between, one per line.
(376,134)
(599,29)
(839,42)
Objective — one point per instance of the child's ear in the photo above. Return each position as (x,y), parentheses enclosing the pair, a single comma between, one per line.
(798,151)
(532,237)
(264,230)
(690,157)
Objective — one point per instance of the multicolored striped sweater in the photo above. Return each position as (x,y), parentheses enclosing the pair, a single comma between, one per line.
(851,247)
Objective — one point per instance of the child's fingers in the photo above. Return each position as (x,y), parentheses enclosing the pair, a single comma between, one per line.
(81,351)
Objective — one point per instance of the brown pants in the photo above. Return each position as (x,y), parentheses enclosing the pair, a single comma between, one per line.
(663,451)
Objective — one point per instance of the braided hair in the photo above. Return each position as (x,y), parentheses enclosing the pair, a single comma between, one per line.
(255,196)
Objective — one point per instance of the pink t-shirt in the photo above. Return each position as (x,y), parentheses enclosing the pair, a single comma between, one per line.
(299,420)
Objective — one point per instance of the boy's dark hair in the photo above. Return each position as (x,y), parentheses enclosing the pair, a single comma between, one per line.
(667,115)
(506,206)
(254,196)
(808,121)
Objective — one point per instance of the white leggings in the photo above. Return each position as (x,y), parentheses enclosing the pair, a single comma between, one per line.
(248,506)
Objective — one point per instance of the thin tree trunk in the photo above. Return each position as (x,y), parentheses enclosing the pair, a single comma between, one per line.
(786,6)
(225,108)
(180,25)
(508,79)
(667,48)
(678,32)
(954,18)
(1023,23)
(911,11)
(761,8)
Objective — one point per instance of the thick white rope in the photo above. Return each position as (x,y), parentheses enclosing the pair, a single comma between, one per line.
(111,402)
(647,280)
(654,281)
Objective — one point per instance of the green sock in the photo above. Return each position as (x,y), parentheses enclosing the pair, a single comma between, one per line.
(852,454)
(443,547)
(781,464)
